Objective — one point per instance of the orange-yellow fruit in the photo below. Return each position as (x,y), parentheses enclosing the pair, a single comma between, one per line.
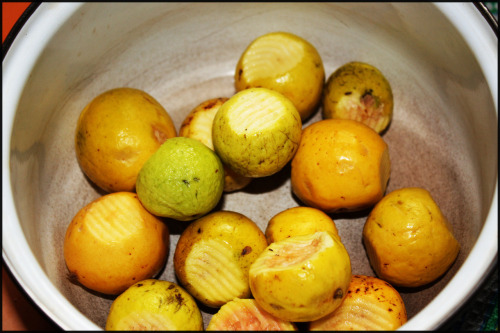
(298,221)
(116,133)
(246,315)
(198,125)
(285,63)
(213,256)
(114,242)
(340,165)
(371,304)
(408,240)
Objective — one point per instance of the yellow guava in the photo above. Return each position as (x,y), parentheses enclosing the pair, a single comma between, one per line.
(301,278)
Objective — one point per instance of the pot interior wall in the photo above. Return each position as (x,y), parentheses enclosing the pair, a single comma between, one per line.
(442,137)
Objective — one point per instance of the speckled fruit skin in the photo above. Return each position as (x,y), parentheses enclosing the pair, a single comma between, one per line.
(408,240)
(256,132)
(301,80)
(360,92)
(182,180)
(213,256)
(301,278)
(371,304)
(154,305)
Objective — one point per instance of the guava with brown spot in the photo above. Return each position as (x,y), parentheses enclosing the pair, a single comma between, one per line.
(213,256)
(116,133)
(154,305)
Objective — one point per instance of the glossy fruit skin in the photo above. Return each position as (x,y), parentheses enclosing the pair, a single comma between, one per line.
(359,91)
(246,315)
(182,180)
(198,125)
(341,165)
(262,64)
(371,304)
(115,135)
(256,132)
(220,246)
(297,221)
(408,240)
(113,242)
(155,305)
(301,278)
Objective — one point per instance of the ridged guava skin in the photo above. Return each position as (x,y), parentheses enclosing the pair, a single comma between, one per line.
(213,256)
(371,304)
(408,240)
(301,278)
(359,91)
(113,242)
(182,180)
(285,63)
(256,132)
(154,305)
(246,315)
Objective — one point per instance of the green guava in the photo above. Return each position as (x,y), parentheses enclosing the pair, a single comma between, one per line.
(256,132)
(182,180)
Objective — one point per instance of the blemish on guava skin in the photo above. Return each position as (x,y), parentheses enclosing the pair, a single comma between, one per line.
(199,230)
(139,285)
(211,104)
(338,294)
(179,298)
(171,287)
(159,135)
(246,250)
(276,306)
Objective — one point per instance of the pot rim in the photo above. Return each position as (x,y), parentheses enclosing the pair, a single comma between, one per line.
(40,21)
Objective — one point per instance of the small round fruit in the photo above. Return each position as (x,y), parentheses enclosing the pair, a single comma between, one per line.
(116,133)
(246,315)
(198,125)
(256,132)
(341,165)
(360,92)
(370,305)
(154,305)
(285,63)
(301,278)
(182,180)
(408,240)
(113,242)
(297,221)
(213,256)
